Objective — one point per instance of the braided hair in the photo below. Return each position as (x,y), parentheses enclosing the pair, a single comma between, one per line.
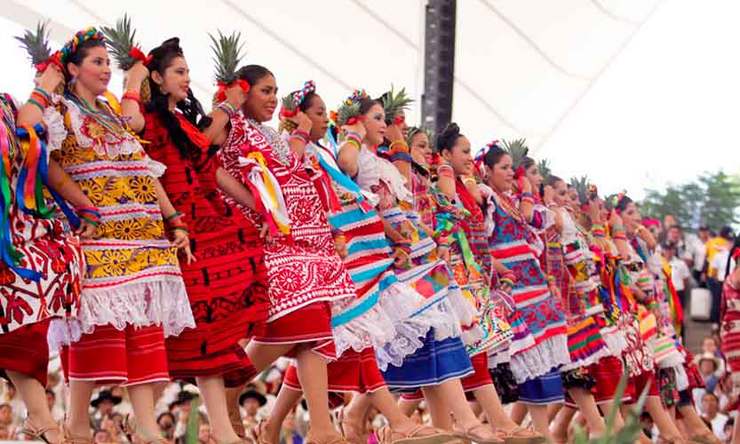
(161,58)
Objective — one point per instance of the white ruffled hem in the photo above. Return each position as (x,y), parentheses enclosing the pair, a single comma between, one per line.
(55,130)
(410,334)
(161,301)
(540,359)
(466,315)
(682,379)
(592,359)
(615,340)
(379,325)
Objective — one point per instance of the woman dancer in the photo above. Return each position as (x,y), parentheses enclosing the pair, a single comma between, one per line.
(133,295)
(226,285)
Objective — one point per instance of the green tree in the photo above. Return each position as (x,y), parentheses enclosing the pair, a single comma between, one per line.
(712,199)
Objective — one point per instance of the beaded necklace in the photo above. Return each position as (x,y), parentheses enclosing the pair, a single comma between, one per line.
(105,117)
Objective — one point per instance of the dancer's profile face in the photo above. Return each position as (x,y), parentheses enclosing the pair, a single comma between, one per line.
(561,197)
(316,111)
(175,80)
(459,157)
(93,73)
(421,149)
(534,176)
(501,175)
(262,99)
(375,124)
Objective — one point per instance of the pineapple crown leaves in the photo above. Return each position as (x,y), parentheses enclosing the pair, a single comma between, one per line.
(581,186)
(349,111)
(394,102)
(227,53)
(36,43)
(120,40)
(517,149)
(543,166)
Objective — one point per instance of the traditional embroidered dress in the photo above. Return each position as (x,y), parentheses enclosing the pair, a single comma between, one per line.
(442,355)
(226,285)
(534,366)
(730,330)
(40,265)
(133,295)
(304,272)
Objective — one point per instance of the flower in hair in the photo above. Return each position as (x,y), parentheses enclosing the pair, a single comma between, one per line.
(349,111)
(292,102)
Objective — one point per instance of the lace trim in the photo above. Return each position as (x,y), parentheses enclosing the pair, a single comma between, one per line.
(540,359)
(55,130)
(161,301)
(411,332)
(156,168)
(372,170)
(615,340)
(128,145)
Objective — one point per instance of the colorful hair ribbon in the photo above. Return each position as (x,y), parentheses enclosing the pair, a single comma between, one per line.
(266,190)
(34,176)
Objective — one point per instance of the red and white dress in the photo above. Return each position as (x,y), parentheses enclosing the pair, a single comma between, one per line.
(48,252)
(304,272)
(227,284)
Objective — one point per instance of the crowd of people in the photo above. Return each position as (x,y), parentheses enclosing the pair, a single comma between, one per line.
(343,278)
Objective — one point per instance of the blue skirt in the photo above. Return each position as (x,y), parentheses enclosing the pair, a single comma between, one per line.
(545,389)
(433,364)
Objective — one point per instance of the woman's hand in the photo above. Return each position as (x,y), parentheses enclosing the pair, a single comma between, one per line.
(548,195)
(137,74)
(357,127)
(526,185)
(181,241)
(86,230)
(394,133)
(235,96)
(302,121)
(50,79)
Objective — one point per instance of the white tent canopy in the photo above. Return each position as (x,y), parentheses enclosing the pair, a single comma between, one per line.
(580,79)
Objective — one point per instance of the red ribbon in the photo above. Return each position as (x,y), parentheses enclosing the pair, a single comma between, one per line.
(221,93)
(285,112)
(520,172)
(399,120)
(354,119)
(137,54)
(55,59)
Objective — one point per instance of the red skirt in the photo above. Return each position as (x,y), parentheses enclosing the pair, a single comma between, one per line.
(25,350)
(481,377)
(229,303)
(636,385)
(606,374)
(311,323)
(109,356)
(352,372)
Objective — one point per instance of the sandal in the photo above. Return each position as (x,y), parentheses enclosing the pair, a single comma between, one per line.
(69,439)
(521,435)
(477,434)
(258,434)
(420,434)
(337,439)
(39,433)
(348,431)
(129,428)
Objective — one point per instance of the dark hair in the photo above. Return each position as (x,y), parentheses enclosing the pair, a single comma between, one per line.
(80,53)
(553,179)
(366,103)
(527,162)
(448,137)
(726,232)
(163,414)
(253,73)
(162,57)
(494,155)
(623,202)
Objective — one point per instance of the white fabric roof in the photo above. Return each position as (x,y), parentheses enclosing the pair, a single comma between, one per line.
(577,78)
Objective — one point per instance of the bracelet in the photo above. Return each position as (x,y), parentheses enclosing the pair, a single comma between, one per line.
(445,171)
(37,104)
(467,179)
(89,214)
(43,93)
(401,157)
(300,134)
(527,194)
(132,95)
(172,216)
(506,281)
(348,134)
(227,108)
(182,228)
(398,146)
(528,199)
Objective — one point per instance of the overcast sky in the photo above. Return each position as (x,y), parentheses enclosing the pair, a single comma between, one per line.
(634,93)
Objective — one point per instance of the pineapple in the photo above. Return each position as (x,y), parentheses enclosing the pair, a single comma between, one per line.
(581,185)
(120,40)
(543,166)
(395,102)
(226,55)
(288,104)
(517,149)
(36,44)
